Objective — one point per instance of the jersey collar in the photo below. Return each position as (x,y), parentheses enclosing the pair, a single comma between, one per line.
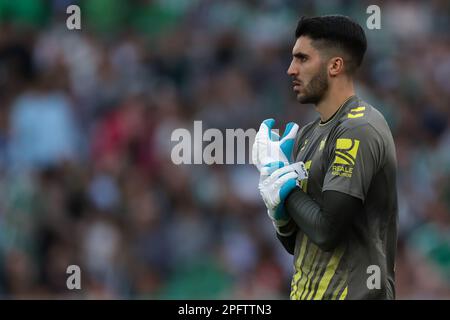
(342,106)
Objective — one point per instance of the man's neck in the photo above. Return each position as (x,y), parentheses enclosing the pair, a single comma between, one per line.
(334,99)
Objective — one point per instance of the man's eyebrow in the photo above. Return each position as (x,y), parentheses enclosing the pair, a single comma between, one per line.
(300,54)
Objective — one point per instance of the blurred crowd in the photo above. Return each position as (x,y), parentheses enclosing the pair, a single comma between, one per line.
(86,117)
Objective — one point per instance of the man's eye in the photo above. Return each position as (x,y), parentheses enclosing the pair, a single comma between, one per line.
(303,59)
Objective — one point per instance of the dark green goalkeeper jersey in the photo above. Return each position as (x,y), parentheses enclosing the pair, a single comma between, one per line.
(353,153)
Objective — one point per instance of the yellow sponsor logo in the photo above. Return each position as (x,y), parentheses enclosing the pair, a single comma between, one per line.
(346,150)
(342,171)
(345,157)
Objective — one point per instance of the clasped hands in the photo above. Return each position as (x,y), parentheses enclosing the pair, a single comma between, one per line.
(272,155)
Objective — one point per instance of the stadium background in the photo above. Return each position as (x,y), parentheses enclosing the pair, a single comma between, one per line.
(85,124)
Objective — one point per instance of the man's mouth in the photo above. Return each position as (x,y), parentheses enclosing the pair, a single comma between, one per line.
(296,85)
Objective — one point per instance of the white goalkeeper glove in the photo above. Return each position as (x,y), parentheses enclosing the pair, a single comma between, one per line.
(276,186)
(269,150)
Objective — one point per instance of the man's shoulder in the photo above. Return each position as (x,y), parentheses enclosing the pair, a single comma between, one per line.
(360,114)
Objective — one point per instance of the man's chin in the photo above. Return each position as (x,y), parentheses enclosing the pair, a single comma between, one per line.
(303,99)
(307,99)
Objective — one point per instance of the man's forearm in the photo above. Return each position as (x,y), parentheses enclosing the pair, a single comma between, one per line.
(324,226)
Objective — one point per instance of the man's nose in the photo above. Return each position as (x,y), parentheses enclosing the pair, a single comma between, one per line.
(291,71)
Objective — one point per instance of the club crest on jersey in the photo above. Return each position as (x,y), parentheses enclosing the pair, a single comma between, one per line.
(322,144)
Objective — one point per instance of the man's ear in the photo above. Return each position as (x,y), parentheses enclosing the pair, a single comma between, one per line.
(335,66)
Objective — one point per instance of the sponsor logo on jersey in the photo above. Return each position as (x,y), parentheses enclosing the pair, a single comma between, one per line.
(345,157)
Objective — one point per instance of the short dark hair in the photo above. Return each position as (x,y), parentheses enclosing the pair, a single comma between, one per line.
(336,32)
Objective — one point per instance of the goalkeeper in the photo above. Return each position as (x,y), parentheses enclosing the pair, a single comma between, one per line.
(330,187)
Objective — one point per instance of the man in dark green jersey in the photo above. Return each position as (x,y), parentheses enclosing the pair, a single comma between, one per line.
(340,223)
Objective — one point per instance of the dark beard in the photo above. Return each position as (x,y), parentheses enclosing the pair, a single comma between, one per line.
(316,88)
